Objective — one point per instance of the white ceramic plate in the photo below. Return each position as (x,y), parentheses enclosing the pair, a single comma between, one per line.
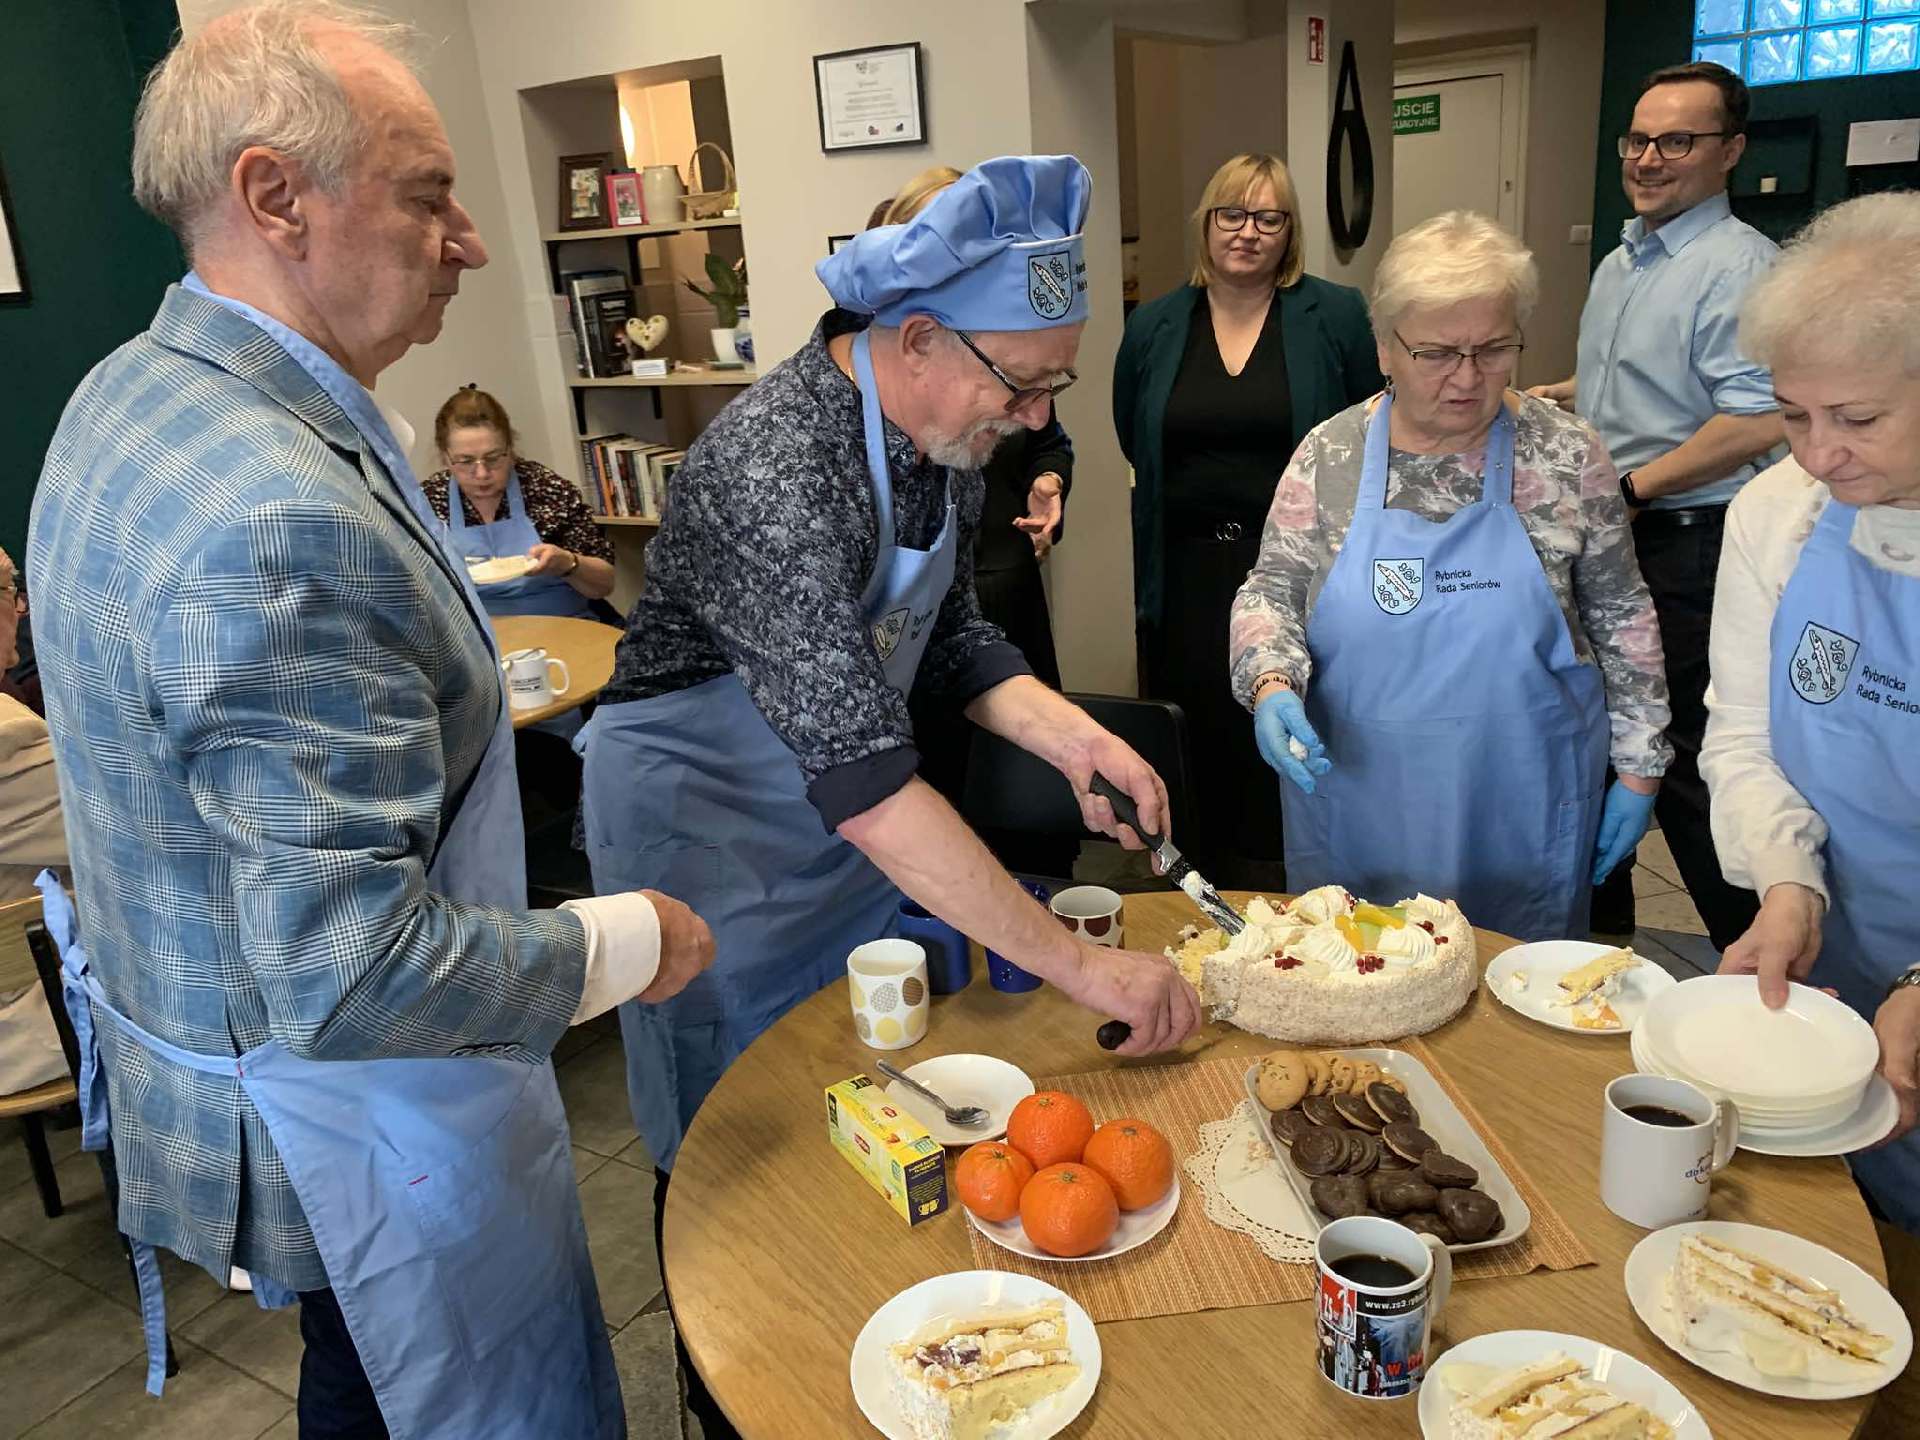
(493,572)
(968,1290)
(1545,961)
(964,1080)
(1812,1049)
(1878,1110)
(1510,1349)
(1136,1228)
(1866,1300)
(1441,1119)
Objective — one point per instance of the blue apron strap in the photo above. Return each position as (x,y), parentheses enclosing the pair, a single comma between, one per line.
(1373,461)
(516,497)
(870,421)
(456,511)
(1496,482)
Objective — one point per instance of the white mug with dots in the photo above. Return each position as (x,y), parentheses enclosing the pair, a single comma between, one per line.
(887,982)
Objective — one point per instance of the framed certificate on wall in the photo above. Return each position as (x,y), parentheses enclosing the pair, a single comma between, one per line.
(870,97)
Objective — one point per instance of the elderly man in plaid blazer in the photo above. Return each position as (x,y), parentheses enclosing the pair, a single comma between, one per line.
(322,1011)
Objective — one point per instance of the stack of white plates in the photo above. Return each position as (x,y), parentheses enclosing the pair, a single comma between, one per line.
(1801,1074)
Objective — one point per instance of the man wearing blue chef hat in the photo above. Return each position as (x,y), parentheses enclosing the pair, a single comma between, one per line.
(753,754)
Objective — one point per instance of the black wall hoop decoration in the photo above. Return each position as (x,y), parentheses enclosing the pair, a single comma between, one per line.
(1349,126)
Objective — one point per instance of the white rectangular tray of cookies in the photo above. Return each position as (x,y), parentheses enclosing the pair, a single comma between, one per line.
(1440,1118)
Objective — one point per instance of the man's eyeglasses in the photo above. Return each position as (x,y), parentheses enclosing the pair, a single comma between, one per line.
(1674,145)
(1233,217)
(1439,361)
(469,464)
(1018,395)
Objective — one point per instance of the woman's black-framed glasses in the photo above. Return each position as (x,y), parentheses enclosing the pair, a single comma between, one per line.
(1674,145)
(1018,395)
(1441,360)
(1234,217)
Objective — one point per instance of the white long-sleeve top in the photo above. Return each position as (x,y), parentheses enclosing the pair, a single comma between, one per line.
(1764,830)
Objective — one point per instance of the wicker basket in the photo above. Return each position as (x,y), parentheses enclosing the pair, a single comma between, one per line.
(710,204)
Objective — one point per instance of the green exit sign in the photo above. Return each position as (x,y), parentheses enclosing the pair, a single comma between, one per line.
(1415,114)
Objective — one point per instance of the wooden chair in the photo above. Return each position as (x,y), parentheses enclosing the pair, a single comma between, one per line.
(24,946)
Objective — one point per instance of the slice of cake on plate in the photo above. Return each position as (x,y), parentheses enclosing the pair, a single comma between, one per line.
(1786,1326)
(959,1377)
(1550,1397)
(1584,992)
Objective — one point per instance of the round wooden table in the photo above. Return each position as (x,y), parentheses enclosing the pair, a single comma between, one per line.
(777,1251)
(585,645)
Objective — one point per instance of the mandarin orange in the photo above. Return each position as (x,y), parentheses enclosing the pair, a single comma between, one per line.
(1049,1127)
(989,1177)
(1134,1158)
(1069,1210)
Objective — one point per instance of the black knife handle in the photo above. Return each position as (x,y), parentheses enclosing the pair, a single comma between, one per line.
(1123,808)
(1113,1034)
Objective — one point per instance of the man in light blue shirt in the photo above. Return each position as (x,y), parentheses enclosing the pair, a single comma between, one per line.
(1686,417)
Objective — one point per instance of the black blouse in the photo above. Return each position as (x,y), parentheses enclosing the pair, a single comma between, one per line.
(1227,437)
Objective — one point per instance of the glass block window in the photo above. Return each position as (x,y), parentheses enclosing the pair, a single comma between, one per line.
(1771,42)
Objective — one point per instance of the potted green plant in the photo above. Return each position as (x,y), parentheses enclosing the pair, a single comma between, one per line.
(728,298)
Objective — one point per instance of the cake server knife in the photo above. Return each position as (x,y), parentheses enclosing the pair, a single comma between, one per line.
(1178,868)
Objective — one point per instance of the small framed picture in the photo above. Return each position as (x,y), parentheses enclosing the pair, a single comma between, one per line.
(583,191)
(624,205)
(870,97)
(13,275)
(834,242)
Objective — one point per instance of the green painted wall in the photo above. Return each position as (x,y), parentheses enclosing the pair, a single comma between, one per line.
(1643,35)
(95,265)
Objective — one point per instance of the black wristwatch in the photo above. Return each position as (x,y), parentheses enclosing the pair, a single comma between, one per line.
(1908,981)
(1628,493)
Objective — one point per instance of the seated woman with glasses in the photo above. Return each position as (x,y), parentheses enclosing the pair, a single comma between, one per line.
(510,507)
(1447,636)
(1213,387)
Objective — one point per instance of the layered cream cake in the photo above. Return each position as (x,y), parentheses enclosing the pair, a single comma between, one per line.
(1329,970)
(1551,1399)
(963,1377)
(1785,1326)
(1584,993)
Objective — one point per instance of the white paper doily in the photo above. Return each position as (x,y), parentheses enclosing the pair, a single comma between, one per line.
(1238,1174)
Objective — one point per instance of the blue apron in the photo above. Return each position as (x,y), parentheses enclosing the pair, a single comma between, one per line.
(440,1192)
(1849,741)
(512,534)
(694,794)
(1469,745)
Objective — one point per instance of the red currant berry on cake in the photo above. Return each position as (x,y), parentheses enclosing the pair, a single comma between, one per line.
(1367,964)
(1439,939)
(1286,962)
(1426,925)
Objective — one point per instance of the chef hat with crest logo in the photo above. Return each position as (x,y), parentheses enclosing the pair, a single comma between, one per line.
(999,249)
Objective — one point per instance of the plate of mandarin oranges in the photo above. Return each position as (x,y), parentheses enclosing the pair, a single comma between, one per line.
(1061,1187)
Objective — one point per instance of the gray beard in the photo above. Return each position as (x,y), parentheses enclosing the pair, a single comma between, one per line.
(961,452)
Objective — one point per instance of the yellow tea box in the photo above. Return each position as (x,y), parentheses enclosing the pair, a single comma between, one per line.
(888,1146)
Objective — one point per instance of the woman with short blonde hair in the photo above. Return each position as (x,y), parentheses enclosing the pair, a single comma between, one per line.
(1446,636)
(1214,385)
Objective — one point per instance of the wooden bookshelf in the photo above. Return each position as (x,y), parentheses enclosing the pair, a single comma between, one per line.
(730,375)
(625,232)
(637,521)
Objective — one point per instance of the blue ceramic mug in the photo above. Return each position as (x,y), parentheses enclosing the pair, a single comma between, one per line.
(1002,973)
(949,959)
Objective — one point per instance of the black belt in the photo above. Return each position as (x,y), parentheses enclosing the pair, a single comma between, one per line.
(1679,519)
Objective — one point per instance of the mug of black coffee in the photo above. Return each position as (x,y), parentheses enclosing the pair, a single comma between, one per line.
(1660,1142)
(1381,1288)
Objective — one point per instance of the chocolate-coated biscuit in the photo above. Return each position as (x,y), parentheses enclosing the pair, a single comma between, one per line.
(1408,1140)
(1425,1222)
(1379,1180)
(1391,1161)
(1390,1105)
(1321,1110)
(1473,1214)
(1289,1125)
(1355,1110)
(1337,1196)
(1369,1158)
(1446,1173)
(1318,1152)
(1404,1194)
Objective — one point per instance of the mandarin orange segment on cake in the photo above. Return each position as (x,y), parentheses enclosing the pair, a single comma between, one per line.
(1069,1210)
(1049,1127)
(989,1177)
(1135,1159)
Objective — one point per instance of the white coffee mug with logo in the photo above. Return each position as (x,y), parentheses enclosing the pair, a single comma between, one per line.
(529,678)
(1660,1142)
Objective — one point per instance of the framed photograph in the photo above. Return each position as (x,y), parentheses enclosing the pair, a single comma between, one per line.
(13,275)
(624,204)
(834,242)
(870,97)
(583,191)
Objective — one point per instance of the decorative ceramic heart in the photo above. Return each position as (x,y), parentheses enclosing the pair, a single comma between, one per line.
(648,333)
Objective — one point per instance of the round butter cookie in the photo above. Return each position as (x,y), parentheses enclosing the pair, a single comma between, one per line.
(1281,1080)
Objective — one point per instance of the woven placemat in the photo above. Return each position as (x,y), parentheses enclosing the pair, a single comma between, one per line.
(1196,1265)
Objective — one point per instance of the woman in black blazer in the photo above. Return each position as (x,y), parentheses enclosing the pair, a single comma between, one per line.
(1213,388)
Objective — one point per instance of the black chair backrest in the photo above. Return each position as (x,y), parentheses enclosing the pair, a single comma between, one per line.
(1009,789)
(46,963)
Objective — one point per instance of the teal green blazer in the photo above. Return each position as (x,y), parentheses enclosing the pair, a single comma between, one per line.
(1331,364)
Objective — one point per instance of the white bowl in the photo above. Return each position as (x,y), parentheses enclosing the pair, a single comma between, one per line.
(1752,1116)
(1812,1052)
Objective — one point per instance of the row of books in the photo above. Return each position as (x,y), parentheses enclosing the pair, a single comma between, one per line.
(626,476)
(599,304)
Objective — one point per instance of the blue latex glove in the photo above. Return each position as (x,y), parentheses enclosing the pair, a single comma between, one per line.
(1282,717)
(1623,820)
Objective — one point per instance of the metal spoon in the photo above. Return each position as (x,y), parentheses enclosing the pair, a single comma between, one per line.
(963,1116)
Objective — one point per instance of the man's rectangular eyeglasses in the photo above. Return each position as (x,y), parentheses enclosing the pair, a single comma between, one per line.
(468,464)
(1233,217)
(1438,361)
(1674,145)
(1018,395)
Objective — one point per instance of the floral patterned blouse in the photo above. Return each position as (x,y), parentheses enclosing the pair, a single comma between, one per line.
(554,505)
(1568,497)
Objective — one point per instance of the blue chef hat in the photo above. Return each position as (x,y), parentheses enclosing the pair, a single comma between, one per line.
(999,249)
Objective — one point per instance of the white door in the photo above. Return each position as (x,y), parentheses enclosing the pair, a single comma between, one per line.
(1459,136)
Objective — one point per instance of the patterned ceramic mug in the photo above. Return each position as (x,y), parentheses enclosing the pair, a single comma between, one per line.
(887,982)
(1092,912)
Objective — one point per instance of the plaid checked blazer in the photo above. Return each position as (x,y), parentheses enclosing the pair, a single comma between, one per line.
(263,686)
